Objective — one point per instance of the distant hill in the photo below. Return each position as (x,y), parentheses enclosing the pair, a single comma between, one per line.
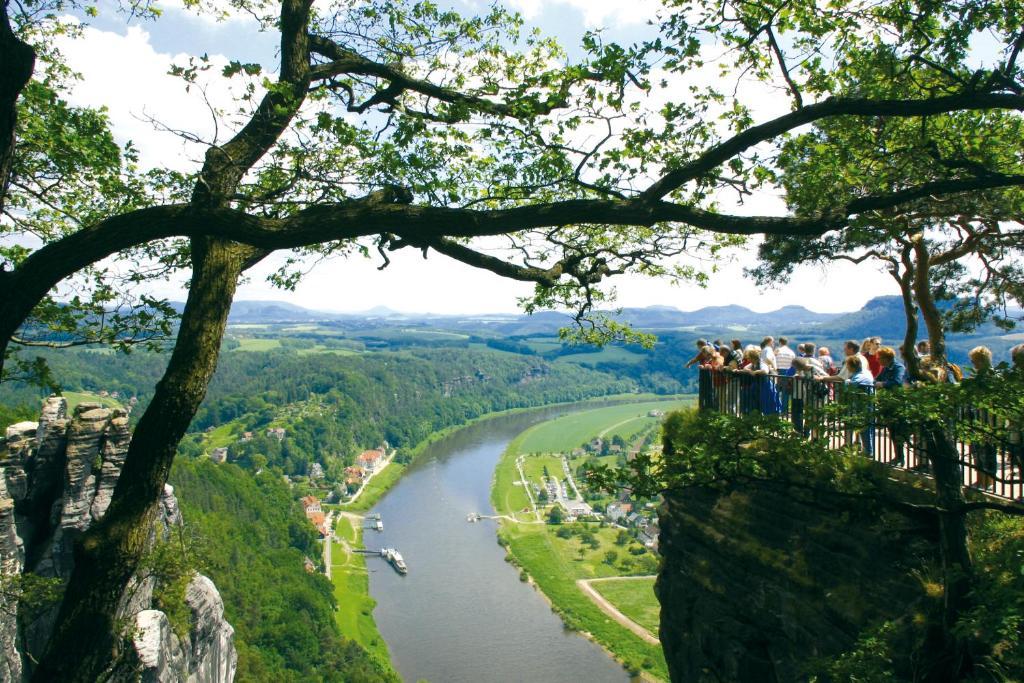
(273,311)
(543,322)
(882,316)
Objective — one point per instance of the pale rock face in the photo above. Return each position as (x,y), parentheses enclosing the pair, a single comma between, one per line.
(213,651)
(207,656)
(11,554)
(57,477)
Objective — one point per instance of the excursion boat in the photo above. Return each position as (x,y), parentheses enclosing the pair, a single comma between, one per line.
(395,558)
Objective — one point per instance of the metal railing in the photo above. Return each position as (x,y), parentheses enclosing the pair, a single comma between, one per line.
(800,401)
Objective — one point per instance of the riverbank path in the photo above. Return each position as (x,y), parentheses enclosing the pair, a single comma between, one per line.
(526,487)
(355,496)
(610,609)
(328,542)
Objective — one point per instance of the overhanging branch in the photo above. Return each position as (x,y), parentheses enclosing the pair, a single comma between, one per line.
(741,142)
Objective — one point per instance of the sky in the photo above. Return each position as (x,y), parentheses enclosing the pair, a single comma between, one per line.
(124,68)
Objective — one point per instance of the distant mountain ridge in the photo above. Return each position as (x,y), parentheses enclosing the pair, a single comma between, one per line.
(882,316)
(256,311)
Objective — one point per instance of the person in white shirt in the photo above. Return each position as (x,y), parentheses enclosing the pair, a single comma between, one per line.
(825,358)
(768,356)
(784,356)
(852,348)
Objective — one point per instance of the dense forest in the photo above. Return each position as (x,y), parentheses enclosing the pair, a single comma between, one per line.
(282,615)
(333,406)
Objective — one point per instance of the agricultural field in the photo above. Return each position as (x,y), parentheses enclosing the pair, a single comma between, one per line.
(556,557)
(258,344)
(543,344)
(609,354)
(635,598)
(570,431)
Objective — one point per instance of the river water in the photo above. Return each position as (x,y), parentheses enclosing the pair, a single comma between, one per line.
(461,613)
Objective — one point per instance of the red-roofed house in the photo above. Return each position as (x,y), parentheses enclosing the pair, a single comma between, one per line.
(311,504)
(319,520)
(371,460)
(354,474)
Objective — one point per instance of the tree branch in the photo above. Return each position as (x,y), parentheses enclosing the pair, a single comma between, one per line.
(785,69)
(726,150)
(345,61)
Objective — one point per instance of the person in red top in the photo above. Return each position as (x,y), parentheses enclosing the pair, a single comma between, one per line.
(869,349)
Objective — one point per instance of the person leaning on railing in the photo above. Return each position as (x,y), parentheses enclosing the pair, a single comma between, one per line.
(1015,425)
(710,359)
(893,375)
(701,343)
(806,393)
(983,450)
(858,378)
(757,390)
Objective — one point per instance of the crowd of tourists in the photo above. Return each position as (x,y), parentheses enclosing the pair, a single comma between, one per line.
(754,377)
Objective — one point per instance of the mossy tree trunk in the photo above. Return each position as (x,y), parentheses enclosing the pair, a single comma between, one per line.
(87,637)
(904,275)
(958,569)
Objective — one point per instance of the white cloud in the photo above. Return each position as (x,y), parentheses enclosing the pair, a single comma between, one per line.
(126,74)
(596,13)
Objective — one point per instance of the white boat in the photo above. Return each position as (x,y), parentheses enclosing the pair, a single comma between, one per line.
(395,558)
(379,524)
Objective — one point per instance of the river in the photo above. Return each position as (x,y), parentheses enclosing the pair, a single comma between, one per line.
(461,613)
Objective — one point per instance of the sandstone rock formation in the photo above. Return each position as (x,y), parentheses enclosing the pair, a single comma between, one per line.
(57,477)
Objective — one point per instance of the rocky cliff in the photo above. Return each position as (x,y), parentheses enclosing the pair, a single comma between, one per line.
(765,586)
(58,478)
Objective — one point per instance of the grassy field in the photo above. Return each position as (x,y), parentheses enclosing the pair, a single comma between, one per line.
(262,344)
(571,431)
(76,397)
(555,563)
(609,354)
(534,466)
(352,592)
(543,344)
(320,348)
(635,598)
(251,344)
(632,429)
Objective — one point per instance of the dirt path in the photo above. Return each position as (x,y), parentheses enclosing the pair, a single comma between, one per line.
(607,429)
(610,609)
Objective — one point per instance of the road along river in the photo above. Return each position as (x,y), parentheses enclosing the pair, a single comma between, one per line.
(461,613)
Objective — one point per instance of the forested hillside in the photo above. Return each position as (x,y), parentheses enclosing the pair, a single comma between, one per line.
(252,538)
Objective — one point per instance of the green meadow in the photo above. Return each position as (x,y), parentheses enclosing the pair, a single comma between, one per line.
(556,562)
(352,592)
(635,598)
(571,431)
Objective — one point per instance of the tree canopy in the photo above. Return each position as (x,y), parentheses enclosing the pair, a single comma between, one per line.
(390,125)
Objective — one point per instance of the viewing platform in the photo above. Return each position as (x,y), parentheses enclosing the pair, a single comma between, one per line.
(795,399)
